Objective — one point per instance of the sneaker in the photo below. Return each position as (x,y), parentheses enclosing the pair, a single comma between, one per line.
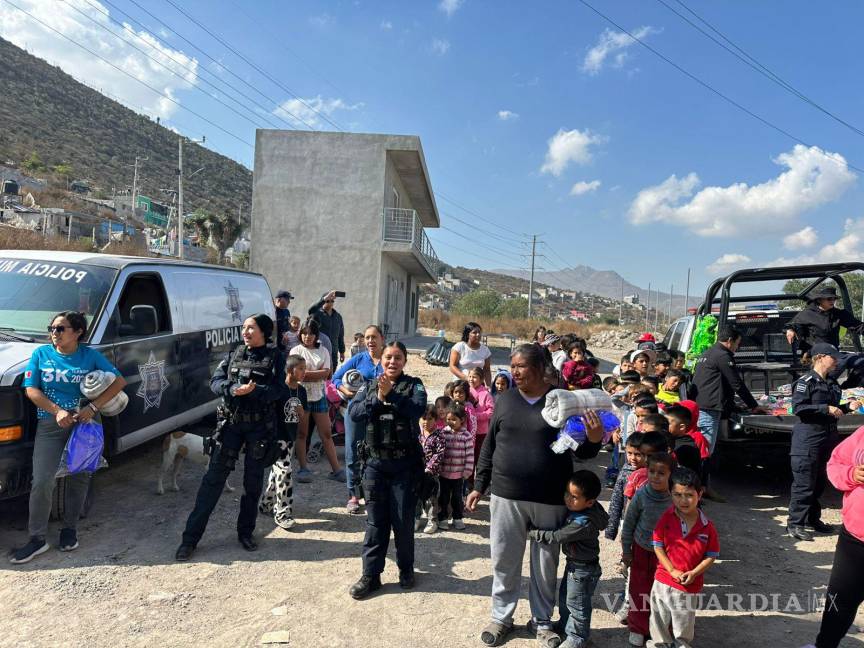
(458,524)
(28,552)
(444,525)
(418,524)
(338,475)
(636,639)
(431,527)
(799,532)
(304,476)
(353,506)
(285,522)
(363,587)
(68,540)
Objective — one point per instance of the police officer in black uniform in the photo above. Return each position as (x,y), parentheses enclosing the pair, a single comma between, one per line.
(251,381)
(390,406)
(821,322)
(816,402)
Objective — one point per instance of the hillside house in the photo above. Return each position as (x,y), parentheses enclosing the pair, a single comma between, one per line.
(345,211)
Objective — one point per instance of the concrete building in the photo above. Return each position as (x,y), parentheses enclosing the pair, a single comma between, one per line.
(345,211)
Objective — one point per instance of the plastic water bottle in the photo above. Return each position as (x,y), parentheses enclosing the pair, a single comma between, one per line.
(572,435)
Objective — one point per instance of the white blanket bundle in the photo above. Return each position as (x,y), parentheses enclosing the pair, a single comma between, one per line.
(561,404)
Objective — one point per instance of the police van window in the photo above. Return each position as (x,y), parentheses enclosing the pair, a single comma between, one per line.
(676,335)
(141,311)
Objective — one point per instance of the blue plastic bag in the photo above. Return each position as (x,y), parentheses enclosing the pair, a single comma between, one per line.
(572,435)
(83,452)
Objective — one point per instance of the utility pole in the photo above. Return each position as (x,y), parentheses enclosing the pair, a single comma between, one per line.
(687,296)
(621,305)
(134,194)
(180,192)
(671,291)
(531,281)
(656,309)
(647,305)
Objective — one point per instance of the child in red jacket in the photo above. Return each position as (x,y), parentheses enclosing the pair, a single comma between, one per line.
(577,372)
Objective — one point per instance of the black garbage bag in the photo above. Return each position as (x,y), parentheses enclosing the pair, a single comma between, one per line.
(439,353)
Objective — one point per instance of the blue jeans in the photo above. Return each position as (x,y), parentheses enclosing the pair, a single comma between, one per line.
(354,433)
(709,426)
(574,600)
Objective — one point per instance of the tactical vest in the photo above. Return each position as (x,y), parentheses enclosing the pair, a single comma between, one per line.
(243,369)
(388,433)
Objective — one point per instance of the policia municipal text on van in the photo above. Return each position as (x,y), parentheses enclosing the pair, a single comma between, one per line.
(251,381)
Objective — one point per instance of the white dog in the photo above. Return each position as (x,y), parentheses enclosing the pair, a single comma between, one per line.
(176,447)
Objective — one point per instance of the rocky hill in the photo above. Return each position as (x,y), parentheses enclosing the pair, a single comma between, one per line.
(44,111)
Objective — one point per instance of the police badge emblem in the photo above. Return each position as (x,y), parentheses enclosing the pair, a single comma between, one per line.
(153,382)
(233,303)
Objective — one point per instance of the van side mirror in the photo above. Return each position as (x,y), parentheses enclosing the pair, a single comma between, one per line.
(143,320)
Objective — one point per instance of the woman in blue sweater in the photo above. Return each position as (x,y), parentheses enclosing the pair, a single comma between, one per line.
(368,363)
(528,481)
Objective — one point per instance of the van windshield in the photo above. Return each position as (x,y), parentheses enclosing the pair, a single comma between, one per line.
(33,291)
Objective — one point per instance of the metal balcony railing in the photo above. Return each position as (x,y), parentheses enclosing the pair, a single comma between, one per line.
(404,226)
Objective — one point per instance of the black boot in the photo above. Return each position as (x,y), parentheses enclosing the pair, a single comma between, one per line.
(248,543)
(363,587)
(820,527)
(184,552)
(799,532)
(406,578)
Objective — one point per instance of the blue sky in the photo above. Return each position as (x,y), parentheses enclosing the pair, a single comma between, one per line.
(541,121)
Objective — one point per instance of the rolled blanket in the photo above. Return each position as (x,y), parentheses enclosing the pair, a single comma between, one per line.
(353,379)
(561,404)
(95,383)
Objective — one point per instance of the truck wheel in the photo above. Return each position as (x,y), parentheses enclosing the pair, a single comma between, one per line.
(61,490)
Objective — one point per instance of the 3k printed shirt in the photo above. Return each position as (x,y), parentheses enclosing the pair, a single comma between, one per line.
(59,376)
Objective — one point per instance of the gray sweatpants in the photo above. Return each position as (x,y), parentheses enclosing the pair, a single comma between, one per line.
(507,536)
(47,451)
(671,609)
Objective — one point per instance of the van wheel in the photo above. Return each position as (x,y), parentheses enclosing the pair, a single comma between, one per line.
(61,490)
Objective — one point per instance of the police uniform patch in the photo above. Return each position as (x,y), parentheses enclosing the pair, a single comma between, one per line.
(801,387)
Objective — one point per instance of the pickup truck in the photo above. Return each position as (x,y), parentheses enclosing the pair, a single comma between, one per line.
(765,359)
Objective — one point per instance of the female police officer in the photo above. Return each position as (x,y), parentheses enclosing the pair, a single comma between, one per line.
(816,402)
(390,406)
(251,381)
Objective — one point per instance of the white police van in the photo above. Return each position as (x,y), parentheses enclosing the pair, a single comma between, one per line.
(165,324)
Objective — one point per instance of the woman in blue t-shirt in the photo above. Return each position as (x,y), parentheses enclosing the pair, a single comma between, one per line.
(52,382)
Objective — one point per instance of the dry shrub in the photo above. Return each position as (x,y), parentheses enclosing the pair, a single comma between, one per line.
(524,329)
(16,238)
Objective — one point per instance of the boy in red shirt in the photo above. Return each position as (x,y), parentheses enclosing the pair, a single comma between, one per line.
(686,545)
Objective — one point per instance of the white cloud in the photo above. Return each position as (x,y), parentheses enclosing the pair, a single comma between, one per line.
(804,238)
(306,113)
(726,264)
(612,44)
(321,20)
(450,6)
(386,25)
(583,187)
(813,177)
(440,46)
(62,16)
(507,115)
(849,247)
(569,146)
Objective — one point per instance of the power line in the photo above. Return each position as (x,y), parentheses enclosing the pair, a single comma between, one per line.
(522,235)
(261,71)
(485,246)
(503,239)
(480,256)
(122,71)
(704,84)
(213,60)
(754,63)
(257,124)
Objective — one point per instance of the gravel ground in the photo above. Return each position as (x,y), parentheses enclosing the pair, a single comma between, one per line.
(123,588)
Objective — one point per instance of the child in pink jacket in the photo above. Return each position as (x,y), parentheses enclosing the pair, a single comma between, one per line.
(482,410)
(846,585)
(458,465)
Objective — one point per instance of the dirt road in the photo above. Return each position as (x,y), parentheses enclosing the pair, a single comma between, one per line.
(123,588)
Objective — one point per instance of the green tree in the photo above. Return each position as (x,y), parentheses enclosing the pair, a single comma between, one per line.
(513,308)
(482,303)
(63,169)
(33,163)
(217,231)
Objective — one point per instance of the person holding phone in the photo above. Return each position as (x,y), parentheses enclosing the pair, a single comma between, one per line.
(330,324)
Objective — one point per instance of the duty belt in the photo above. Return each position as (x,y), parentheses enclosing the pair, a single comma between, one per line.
(388,453)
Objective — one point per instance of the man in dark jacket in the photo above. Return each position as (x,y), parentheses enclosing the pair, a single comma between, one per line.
(283,316)
(716,381)
(331,325)
(820,322)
